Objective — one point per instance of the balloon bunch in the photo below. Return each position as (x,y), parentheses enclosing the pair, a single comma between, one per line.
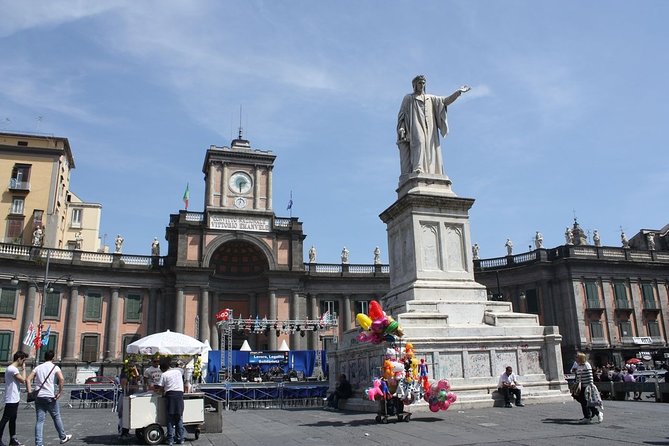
(439,397)
(378,327)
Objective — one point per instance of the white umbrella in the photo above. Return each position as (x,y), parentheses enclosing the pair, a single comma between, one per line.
(167,343)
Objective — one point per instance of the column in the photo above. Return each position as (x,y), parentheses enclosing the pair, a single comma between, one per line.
(224,182)
(313,341)
(205,314)
(269,188)
(256,187)
(151,314)
(159,315)
(28,312)
(214,335)
(253,309)
(71,327)
(112,326)
(272,316)
(179,314)
(346,322)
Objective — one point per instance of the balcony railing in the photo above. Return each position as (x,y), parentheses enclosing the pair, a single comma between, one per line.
(623,305)
(15,184)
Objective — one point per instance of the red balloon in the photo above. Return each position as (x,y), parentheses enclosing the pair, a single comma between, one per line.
(375,312)
(434,407)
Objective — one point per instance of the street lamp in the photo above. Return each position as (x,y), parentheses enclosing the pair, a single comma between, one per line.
(47,288)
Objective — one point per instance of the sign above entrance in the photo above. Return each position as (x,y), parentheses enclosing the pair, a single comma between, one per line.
(644,340)
(236,223)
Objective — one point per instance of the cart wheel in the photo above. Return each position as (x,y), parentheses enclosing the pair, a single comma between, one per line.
(153,434)
(378,418)
(139,433)
(197,433)
(384,420)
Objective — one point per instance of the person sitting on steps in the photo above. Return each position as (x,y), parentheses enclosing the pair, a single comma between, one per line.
(507,385)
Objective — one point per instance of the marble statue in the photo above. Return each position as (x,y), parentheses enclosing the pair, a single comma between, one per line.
(475,251)
(568,236)
(623,239)
(650,238)
(344,255)
(78,240)
(377,256)
(155,247)
(38,234)
(118,243)
(312,254)
(538,240)
(596,238)
(509,246)
(420,120)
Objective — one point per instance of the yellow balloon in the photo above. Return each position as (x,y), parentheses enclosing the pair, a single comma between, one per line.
(364,321)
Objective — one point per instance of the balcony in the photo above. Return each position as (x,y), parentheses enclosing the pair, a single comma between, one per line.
(623,305)
(593,304)
(16,185)
(650,305)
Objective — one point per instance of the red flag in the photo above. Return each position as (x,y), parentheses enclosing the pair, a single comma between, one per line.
(38,337)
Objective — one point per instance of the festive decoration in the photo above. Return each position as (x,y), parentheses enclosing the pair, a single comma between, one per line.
(377,325)
(197,369)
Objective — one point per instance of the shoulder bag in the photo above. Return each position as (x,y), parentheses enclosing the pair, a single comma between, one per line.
(32,396)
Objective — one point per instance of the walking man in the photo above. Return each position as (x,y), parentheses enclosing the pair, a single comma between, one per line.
(45,375)
(15,375)
(171,385)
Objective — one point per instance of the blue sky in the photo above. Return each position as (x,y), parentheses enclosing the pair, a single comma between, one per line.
(567,113)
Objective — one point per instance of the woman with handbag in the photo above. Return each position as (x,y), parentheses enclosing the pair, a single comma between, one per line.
(47,397)
(586,393)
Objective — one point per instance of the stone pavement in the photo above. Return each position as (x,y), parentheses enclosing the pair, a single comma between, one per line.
(625,422)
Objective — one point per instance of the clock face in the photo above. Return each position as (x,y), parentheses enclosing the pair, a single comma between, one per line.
(240,183)
(240,202)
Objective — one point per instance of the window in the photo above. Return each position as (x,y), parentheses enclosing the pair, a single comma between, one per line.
(89,348)
(531,301)
(14,228)
(17,205)
(75,222)
(653,329)
(361,306)
(648,297)
(591,294)
(596,330)
(37,218)
(93,307)
(621,295)
(331,306)
(52,344)
(20,177)
(625,329)
(133,307)
(129,339)
(7,301)
(52,305)
(5,346)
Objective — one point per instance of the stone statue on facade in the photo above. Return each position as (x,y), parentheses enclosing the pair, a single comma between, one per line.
(420,120)
(344,255)
(568,236)
(78,241)
(623,239)
(596,238)
(155,247)
(312,254)
(38,235)
(509,246)
(118,243)
(650,239)
(377,256)
(538,240)
(475,251)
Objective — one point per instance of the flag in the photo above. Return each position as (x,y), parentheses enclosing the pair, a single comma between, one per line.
(38,337)
(186,196)
(290,202)
(45,338)
(325,318)
(30,335)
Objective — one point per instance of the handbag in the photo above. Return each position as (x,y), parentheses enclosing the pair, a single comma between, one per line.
(575,388)
(32,396)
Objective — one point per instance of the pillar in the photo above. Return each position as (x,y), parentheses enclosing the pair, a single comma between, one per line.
(205,314)
(179,313)
(272,316)
(110,351)
(214,335)
(346,323)
(28,311)
(313,341)
(151,313)
(253,309)
(71,326)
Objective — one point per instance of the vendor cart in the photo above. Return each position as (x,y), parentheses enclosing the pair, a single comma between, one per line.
(146,414)
(391,407)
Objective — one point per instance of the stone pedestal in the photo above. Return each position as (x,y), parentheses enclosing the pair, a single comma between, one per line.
(445,313)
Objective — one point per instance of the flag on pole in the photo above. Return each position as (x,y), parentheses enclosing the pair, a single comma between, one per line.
(186,196)
(290,202)
(325,318)
(45,338)
(38,337)
(30,335)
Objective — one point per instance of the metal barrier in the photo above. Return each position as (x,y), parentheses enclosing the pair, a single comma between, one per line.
(267,395)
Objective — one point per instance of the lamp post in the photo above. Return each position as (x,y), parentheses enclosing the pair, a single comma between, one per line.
(47,287)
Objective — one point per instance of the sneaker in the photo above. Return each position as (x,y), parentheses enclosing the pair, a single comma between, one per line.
(67,438)
(508,406)
(584,421)
(600,416)
(520,405)
(14,442)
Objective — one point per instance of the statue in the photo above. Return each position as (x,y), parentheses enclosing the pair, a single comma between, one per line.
(155,247)
(475,251)
(38,234)
(568,236)
(344,255)
(312,254)
(509,246)
(596,239)
(419,118)
(650,239)
(377,256)
(78,240)
(623,239)
(538,240)
(118,243)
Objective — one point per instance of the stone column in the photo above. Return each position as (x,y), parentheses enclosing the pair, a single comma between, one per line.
(71,327)
(346,310)
(224,182)
(179,313)
(256,187)
(205,314)
(214,335)
(312,341)
(151,318)
(112,327)
(29,310)
(269,188)
(272,316)
(159,315)
(253,309)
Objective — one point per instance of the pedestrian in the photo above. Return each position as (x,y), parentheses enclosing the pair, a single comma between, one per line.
(15,375)
(152,374)
(45,375)
(171,385)
(586,393)
(129,383)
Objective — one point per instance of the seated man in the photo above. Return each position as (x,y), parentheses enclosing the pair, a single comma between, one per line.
(507,385)
(342,391)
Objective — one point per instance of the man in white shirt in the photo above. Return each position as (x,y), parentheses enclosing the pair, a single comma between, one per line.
(508,384)
(152,375)
(47,398)
(171,385)
(15,375)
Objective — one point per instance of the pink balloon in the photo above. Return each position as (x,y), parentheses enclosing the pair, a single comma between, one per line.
(434,407)
(445,405)
(443,385)
(452,397)
(426,397)
(377,326)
